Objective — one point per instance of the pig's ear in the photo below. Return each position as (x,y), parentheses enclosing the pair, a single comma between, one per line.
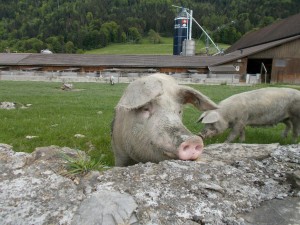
(196,98)
(140,93)
(209,117)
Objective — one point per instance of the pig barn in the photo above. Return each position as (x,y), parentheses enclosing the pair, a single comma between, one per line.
(268,55)
(272,53)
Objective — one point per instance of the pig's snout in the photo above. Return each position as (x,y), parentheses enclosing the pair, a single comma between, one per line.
(208,133)
(190,149)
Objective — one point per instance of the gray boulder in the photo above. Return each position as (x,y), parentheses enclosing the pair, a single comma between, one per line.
(237,184)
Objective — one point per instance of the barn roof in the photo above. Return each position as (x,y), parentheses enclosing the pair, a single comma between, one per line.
(136,61)
(247,52)
(8,59)
(279,30)
(117,61)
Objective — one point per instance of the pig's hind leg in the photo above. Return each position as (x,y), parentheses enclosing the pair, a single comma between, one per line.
(296,129)
(295,120)
(289,125)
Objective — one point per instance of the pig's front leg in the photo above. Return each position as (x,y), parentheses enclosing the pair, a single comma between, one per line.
(242,135)
(237,130)
(122,158)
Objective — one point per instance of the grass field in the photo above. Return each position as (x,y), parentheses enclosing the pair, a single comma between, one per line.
(165,48)
(56,116)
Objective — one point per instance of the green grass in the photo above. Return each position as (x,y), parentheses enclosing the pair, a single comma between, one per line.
(55,116)
(146,48)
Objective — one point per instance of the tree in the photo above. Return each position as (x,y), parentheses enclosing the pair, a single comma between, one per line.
(4,46)
(112,28)
(266,21)
(55,44)
(123,37)
(33,45)
(92,39)
(69,47)
(104,37)
(107,21)
(154,37)
(229,35)
(134,35)
(3,31)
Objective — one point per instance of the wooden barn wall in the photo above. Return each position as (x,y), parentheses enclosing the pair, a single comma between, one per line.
(286,70)
(287,50)
(181,70)
(86,69)
(286,61)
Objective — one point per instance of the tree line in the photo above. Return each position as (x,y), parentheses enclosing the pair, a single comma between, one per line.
(73,26)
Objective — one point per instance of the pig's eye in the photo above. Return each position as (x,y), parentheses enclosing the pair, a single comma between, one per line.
(146,109)
(180,111)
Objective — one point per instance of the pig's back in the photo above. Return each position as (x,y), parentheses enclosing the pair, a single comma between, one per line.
(265,106)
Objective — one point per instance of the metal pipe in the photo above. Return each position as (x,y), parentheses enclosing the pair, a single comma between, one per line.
(265,69)
(207,36)
(190,25)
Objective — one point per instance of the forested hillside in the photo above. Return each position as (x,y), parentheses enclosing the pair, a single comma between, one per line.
(69,26)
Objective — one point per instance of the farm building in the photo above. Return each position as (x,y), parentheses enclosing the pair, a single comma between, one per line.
(273,52)
(269,55)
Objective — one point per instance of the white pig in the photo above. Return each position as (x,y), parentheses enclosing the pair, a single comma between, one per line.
(147,125)
(262,107)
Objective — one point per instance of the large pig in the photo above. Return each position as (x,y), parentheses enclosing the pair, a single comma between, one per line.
(147,125)
(262,107)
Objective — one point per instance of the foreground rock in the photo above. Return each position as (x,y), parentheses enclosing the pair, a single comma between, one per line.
(231,184)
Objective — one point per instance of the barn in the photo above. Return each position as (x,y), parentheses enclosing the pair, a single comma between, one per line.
(267,55)
(272,52)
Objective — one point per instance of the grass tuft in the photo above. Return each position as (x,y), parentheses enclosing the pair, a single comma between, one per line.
(81,164)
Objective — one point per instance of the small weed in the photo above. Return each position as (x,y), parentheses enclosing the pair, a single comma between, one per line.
(81,164)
